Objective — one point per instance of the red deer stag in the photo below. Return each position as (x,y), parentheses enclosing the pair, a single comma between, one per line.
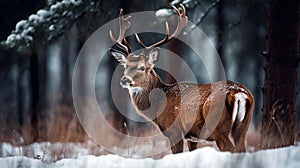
(235,107)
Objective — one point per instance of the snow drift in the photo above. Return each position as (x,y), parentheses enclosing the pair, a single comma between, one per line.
(203,157)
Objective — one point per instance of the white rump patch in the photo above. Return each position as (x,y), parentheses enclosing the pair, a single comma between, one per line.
(239,108)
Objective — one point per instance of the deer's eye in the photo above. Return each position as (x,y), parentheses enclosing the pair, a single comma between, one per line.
(142,68)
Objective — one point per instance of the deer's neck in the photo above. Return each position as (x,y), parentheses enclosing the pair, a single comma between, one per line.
(141,96)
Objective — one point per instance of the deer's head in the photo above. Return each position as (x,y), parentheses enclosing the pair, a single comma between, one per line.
(138,67)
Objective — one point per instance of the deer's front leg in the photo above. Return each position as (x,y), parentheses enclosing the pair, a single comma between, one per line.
(178,147)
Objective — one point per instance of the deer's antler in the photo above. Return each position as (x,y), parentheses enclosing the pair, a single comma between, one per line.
(182,21)
(124,25)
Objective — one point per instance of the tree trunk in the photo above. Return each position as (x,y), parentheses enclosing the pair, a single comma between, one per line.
(254,50)
(221,30)
(65,69)
(34,86)
(118,120)
(20,97)
(172,64)
(278,118)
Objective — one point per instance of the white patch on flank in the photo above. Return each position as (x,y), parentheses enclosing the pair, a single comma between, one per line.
(135,90)
(239,108)
(238,88)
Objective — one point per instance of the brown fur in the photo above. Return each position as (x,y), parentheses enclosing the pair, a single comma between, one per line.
(207,100)
(190,110)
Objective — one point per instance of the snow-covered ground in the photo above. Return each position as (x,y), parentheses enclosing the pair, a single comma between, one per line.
(203,157)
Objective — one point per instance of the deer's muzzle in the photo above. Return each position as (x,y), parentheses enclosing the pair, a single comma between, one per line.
(126,82)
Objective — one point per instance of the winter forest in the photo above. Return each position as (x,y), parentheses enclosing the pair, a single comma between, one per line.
(62,102)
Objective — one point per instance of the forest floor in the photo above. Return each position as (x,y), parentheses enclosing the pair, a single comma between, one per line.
(204,157)
(89,154)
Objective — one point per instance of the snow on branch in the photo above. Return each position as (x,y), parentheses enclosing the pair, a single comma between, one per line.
(164,13)
(46,25)
(191,4)
(161,13)
(186,3)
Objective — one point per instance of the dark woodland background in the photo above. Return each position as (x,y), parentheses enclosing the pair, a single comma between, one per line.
(36,77)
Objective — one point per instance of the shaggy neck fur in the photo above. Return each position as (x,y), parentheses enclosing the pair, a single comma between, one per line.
(140,95)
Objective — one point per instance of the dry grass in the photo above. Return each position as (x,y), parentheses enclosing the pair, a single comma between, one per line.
(253,140)
(58,122)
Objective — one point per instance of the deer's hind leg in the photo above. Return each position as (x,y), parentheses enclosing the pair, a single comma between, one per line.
(178,147)
(223,135)
(192,145)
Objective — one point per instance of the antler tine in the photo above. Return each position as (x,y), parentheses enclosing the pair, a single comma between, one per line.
(112,37)
(127,45)
(167,29)
(183,11)
(140,41)
(124,25)
(176,10)
(182,21)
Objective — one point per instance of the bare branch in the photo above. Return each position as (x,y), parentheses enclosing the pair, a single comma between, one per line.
(204,15)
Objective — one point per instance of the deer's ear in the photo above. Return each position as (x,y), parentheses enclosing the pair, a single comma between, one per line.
(153,56)
(119,56)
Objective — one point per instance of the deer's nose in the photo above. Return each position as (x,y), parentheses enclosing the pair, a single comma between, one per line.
(125,82)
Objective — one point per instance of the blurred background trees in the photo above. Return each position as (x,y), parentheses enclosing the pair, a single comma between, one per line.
(41,41)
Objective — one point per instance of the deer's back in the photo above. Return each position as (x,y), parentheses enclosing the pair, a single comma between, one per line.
(185,102)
